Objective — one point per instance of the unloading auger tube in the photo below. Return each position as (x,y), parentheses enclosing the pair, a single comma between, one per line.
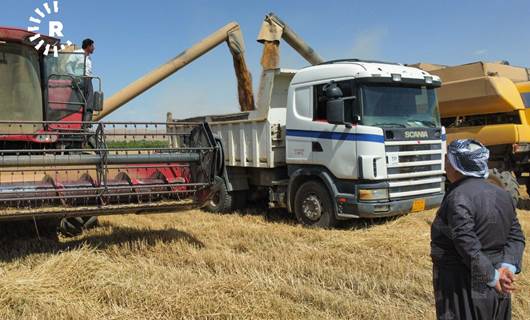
(272,30)
(122,167)
(231,33)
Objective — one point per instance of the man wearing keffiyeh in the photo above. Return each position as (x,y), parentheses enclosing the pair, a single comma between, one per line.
(476,240)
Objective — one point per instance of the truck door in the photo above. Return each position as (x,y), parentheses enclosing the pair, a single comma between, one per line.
(312,140)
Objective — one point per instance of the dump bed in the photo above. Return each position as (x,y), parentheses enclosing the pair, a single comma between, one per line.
(257,138)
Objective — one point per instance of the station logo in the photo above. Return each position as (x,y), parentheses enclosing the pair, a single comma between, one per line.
(46,16)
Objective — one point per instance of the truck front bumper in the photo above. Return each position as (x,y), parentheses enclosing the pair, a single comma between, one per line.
(348,206)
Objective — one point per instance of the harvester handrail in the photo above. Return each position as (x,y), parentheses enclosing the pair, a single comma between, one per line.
(165,185)
(104,149)
(155,166)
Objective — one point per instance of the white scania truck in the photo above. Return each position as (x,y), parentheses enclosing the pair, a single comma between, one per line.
(339,140)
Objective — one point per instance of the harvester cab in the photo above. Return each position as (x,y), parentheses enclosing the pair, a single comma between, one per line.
(57,164)
(67,95)
(43,87)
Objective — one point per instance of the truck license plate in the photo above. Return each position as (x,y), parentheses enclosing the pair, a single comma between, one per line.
(418,205)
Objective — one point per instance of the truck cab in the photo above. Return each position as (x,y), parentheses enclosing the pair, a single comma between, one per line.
(371,134)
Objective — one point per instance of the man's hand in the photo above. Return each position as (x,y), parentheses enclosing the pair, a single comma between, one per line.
(506,283)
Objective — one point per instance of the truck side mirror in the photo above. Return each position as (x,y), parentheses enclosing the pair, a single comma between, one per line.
(98,101)
(334,103)
(335,111)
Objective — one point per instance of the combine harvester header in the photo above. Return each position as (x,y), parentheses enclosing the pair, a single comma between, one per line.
(115,168)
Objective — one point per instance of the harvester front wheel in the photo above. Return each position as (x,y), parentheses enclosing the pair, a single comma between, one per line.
(74,226)
(507,181)
(71,227)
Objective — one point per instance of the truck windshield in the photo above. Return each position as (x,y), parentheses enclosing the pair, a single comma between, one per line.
(20,86)
(399,106)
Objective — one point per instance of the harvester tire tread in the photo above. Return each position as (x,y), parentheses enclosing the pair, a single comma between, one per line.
(507,181)
(71,227)
(222,200)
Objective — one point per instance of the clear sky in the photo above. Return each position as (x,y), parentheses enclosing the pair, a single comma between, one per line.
(132,37)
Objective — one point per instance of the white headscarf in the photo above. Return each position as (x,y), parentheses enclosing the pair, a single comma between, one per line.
(469,157)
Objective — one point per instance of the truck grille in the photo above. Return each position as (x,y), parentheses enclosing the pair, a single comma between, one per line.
(414,167)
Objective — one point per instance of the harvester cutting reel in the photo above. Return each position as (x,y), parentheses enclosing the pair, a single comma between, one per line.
(76,171)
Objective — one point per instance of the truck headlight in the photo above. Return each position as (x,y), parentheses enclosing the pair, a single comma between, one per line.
(373,194)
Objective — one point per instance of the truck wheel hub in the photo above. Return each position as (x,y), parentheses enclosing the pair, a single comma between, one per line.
(312,207)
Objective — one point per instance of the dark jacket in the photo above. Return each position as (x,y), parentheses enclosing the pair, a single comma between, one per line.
(477,226)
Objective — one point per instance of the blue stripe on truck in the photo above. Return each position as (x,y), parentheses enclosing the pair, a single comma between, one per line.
(336,135)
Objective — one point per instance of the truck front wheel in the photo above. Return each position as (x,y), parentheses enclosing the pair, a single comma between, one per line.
(313,206)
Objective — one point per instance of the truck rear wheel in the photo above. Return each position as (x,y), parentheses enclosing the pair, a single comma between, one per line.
(221,201)
(507,181)
(313,206)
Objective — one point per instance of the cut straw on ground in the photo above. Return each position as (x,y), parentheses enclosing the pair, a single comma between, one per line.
(196,265)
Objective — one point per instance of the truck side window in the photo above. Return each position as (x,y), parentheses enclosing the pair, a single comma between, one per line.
(319,100)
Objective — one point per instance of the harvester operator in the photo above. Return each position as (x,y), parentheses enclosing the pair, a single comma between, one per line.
(81,65)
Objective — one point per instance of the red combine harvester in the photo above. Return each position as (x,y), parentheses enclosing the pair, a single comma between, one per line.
(58,168)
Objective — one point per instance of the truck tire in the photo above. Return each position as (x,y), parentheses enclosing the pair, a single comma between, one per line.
(221,201)
(313,206)
(507,181)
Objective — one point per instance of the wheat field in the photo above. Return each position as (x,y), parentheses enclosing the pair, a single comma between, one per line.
(197,265)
